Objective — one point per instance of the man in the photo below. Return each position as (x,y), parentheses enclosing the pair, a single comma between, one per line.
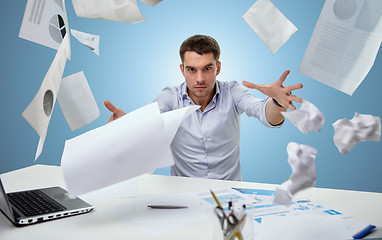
(207,142)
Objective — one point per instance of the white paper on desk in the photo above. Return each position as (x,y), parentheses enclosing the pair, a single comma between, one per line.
(272,27)
(121,10)
(303,226)
(224,196)
(45,22)
(158,221)
(344,43)
(77,101)
(134,144)
(362,127)
(39,111)
(89,40)
(307,118)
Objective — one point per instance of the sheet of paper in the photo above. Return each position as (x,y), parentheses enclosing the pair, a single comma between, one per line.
(264,207)
(301,160)
(120,11)
(344,43)
(272,27)
(124,189)
(172,119)
(45,22)
(355,227)
(89,40)
(307,226)
(223,195)
(151,2)
(307,118)
(77,101)
(158,221)
(134,144)
(39,111)
(362,127)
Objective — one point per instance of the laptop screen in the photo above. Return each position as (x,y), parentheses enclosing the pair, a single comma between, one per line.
(4,203)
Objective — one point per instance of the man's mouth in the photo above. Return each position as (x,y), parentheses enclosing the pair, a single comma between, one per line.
(200,87)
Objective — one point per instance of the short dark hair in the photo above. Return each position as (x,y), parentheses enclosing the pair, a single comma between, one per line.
(200,44)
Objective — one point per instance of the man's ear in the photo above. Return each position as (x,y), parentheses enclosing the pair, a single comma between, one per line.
(182,68)
(218,67)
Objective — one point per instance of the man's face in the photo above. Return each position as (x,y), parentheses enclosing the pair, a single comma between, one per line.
(200,73)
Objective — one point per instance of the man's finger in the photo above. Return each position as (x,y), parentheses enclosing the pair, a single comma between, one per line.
(112,118)
(283,77)
(250,85)
(293,87)
(292,107)
(109,106)
(295,98)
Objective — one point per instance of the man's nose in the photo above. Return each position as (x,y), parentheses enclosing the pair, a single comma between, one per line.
(200,78)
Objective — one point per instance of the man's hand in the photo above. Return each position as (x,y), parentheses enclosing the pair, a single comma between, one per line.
(117,112)
(278,92)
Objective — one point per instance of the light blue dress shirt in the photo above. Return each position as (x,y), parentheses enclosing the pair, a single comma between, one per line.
(207,144)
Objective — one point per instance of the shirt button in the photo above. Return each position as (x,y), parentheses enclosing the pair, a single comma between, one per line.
(206,139)
(208,154)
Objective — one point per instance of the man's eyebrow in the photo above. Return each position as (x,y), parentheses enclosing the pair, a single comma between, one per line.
(208,65)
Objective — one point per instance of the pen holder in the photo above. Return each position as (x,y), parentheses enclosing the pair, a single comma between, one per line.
(234,222)
(247,230)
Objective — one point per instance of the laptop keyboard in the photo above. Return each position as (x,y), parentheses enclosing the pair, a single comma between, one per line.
(34,202)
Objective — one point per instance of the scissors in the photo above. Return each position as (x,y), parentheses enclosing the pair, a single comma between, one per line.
(230,224)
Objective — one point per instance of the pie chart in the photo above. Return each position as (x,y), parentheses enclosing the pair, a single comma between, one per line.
(57,28)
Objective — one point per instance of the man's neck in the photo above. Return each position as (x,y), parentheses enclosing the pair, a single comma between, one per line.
(203,102)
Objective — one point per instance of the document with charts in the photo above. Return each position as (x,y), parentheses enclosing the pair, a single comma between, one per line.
(344,43)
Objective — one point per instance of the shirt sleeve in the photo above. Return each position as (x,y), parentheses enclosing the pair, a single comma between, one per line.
(252,106)
(166,99)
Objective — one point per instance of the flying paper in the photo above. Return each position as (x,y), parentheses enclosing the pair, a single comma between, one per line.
(120,11)
(347,133)
(77,101)
(307,118)
(136,143)
(272,27)
(151,2)
(45,22)
(39,111)
(89,40)
(301,159)
(344,43)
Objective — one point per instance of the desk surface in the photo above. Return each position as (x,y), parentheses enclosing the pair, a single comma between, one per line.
(363,206)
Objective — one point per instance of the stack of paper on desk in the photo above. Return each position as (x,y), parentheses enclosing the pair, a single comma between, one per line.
(134,144)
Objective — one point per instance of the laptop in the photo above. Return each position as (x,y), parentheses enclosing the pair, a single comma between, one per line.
(38,205)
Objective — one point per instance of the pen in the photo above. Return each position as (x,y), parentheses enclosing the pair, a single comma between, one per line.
(216,199)
(166,206)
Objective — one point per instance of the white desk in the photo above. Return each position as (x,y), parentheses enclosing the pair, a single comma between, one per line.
(363,206)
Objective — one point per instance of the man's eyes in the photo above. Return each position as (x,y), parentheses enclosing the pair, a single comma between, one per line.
(193,69)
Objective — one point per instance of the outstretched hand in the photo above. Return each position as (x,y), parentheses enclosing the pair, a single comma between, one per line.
(117,112)
(278,92)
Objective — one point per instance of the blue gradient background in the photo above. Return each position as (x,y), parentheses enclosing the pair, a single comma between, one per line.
(138,60)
